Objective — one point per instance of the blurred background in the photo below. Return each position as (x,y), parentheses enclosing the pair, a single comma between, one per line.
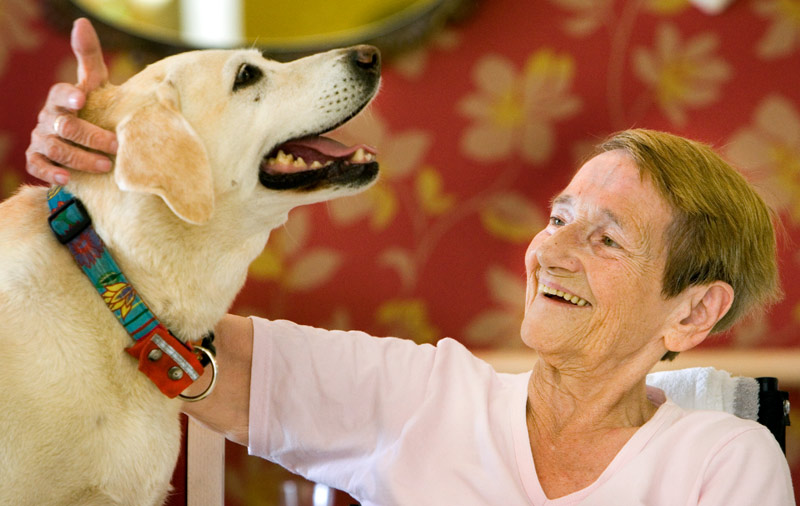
(485,110)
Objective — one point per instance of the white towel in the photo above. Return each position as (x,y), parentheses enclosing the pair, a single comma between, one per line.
(709,388)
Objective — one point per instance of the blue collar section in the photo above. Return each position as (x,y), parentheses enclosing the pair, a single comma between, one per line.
(169,363)
(72,226)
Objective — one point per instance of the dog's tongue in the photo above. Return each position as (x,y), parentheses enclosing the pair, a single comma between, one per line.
(311,149)
(326,146)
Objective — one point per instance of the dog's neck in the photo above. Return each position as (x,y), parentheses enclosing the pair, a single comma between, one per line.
(188,275)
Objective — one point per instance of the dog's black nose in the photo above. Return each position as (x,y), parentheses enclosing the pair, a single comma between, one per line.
(367,58)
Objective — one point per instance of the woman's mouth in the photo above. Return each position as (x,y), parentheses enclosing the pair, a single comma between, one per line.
(552,293)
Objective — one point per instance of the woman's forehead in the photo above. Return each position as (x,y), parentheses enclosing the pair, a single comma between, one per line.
(612,184)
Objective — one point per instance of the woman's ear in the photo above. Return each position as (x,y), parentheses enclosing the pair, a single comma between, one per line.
(701,308)
(160,153)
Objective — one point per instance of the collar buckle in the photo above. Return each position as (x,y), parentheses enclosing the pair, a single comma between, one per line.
(69,220)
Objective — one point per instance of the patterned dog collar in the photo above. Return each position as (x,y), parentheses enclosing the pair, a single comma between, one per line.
(169,363)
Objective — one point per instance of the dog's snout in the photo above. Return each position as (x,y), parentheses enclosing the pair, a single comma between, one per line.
(367,58)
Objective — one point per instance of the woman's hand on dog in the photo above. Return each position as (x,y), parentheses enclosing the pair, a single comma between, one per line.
(61,140)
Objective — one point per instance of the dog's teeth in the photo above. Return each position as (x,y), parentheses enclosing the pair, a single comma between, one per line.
(361,156)
(316,165)
(284,158)
(300,163)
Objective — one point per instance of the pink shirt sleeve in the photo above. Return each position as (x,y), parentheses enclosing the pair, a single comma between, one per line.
(748,469)
(312,411)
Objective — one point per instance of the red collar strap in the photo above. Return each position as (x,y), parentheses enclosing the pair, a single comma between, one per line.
(169,363)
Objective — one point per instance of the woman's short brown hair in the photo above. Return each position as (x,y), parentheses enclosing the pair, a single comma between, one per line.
(721,228)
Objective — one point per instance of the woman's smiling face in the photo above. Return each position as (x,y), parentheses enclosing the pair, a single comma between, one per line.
(595,272)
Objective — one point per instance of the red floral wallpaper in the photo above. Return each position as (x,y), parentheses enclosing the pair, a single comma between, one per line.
(476,131)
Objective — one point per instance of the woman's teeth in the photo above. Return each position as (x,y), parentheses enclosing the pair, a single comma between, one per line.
(574,299)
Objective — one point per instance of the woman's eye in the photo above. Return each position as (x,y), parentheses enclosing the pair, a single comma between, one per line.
(247,75)
(558,222)
(611,243)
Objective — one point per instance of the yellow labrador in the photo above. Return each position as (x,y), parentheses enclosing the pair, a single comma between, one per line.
(215,148)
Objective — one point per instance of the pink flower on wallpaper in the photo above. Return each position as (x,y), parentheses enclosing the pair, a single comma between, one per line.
(783,35)
(768,152)
(681,74)
(513,112)
(16,18)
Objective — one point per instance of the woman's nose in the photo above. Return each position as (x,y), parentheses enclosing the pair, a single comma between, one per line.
(559,250)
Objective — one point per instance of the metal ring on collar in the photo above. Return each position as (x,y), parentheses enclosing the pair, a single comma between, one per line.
(207,391)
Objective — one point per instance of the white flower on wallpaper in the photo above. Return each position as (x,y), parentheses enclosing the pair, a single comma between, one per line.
(498,326)
(513,111)
(681,74)
(16,18)
(783,35)
(768,152)
(400,155)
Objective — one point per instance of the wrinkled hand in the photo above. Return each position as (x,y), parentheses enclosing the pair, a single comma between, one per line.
(60,139)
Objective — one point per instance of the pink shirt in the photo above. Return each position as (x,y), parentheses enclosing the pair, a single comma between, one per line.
(394,423)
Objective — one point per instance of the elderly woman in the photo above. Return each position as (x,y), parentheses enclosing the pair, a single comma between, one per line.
(654,244)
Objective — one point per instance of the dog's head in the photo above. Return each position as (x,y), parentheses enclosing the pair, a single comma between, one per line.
(207,127)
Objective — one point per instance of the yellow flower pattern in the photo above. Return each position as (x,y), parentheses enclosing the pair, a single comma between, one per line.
(782,38)
(682,75)
(514,113)
(407,318)
(768,150)
(119,297)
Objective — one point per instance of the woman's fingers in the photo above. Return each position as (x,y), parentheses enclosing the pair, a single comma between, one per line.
(41,168)
(61,140)
(49,155)
(77,131)
(65,96)
(92,70)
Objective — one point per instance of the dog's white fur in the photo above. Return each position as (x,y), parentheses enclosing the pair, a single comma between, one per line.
(183,214)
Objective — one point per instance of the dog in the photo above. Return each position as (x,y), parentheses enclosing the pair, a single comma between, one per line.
(215,148)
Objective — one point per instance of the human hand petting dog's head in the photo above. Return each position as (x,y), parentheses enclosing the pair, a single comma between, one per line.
(60,140)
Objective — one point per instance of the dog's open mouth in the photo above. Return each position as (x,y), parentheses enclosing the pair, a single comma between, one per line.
(310,163)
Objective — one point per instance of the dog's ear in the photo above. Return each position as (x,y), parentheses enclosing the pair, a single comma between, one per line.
(160,153)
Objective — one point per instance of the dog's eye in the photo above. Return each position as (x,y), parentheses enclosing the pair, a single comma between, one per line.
(247,75)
